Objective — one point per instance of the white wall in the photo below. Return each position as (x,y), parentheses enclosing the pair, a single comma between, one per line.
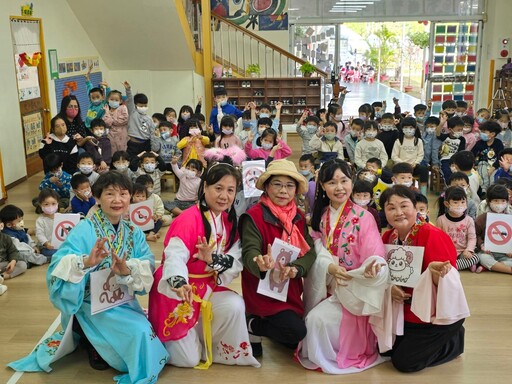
(63,32)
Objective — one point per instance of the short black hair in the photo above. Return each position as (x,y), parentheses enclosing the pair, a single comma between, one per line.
(140,98)
(388,115)
(147,155)
(219,91)
(137,187)
(365,108)
(168,110)
(377,104)
(398,190)
(246,115)
(455,193)
(111,178)
(52,161)
(165,123)
(46,193)
(455,121)
(313,119)
(144,179)
(374,160)
(461,104)
(159,116)
(408,122)
(98,123)
(420,198)
(265,121)
(78,179)
(362,186)
(265,106)
(307,157)
(504,181)
(196,164)
(370,124)
(118,155)
(490,126)
(10,213)
(464,160)
(399,168)
(496,191)
(506,151)
(84,155)
(458,176)
(449,104)
(420,107)
(359,122)
(227,121)
(198,117)
(96,89)
(468,120)
(432,120)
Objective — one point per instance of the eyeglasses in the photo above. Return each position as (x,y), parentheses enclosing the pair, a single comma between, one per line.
(72,107)
(278,186)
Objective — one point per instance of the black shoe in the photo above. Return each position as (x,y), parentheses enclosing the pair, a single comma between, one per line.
(95,360)
(257,349)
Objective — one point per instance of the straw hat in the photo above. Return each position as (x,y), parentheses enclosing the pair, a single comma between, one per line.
(283,168)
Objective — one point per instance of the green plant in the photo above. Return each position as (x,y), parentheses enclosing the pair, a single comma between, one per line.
(253,68)
(382,53)
(307,68)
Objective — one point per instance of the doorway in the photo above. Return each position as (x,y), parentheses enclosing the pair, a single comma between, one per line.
(29,62)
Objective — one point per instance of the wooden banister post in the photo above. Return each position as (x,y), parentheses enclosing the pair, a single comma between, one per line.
(207,56)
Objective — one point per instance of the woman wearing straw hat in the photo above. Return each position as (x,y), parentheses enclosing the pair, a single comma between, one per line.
(275,217)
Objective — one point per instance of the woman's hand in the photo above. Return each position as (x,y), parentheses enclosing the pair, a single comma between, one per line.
(439,268)
(266,262)
(119,266)
(97,255)
(339,273)
(288,272)
(372,269)
(184,293)
(204,250)
(398,295)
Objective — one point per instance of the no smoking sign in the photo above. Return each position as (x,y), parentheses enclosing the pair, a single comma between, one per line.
(498,233)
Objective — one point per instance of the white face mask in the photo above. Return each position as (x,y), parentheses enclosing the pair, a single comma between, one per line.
(98,132)
(370,178)
(86,169)
(457,210)
(405,184)
(50,209)
(227,131)
(498,207)
(121,167)
(149,167)
(338,117)
(409,132)
(361,203)
(264,115)
(194,131)
(266,146)
(370,134)
(430,130)
(142,110)
(457,134)
(386,127)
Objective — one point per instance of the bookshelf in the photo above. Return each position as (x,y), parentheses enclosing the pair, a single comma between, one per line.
(296,93)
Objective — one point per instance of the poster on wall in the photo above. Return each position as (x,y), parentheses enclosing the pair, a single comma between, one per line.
(74,66)
(258,15)
(33,131)
(28,80)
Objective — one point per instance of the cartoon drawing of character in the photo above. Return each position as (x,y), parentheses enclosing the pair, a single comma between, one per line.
(399,261)
(110,286)
(275,282)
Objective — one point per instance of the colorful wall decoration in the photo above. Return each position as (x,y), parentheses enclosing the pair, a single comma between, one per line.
(258,15)
(454,61)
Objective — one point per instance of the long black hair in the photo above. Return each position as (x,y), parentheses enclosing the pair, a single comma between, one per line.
(409,122)
(321,200)
(211,176)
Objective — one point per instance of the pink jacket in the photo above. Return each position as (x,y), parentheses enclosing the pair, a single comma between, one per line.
(260,153)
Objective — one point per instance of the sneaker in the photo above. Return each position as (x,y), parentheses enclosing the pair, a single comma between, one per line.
(255,340)
(3,288)
(95,360)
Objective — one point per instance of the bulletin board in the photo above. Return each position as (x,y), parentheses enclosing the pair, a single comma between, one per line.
(3,193)
(75,85)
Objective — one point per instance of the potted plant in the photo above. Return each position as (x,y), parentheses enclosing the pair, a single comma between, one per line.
(253,70)
(307,69)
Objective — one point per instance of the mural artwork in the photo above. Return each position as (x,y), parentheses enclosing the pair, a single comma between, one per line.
(258,15)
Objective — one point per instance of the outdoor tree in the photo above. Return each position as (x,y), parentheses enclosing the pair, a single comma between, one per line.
(384,48)
(420,39)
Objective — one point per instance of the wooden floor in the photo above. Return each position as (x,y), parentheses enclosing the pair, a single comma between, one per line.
(26,314)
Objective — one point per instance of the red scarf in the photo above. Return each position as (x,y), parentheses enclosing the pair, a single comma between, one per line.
(285,215)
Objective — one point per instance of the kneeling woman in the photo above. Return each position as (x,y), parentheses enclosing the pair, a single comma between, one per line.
(434,311)
(347,282)
(189,304)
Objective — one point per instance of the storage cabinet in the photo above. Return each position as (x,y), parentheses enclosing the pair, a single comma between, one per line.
(296,93)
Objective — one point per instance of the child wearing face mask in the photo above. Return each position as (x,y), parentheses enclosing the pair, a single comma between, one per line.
(222,105)
(335,115)
(328,145)
(12,219)
(269,147)
(56,179)
(362,195)
(379,108)
(158,204)
(306,128)
(419,115)
(307,169)
(100,147)
(431,143)
(486,152)
(503,119)
(83,200)
(10,265)
(459,179)
(139,195)
(194,143)
(121,163)
(227,136)
(388,133)
(86,167)
(409,149)
(370,146)
(464,108)
(149,163)
(470,136)
(141,130)
(263,121)
(49,203)
(453,141)
(170,116)
(184,115)
(166,146)
(422,207)
(497,201)
(403,175)
(482,115)
(244,127)
(460,227)
(351,140)
(96,99)
(59,143)
(116,120)
(190,179)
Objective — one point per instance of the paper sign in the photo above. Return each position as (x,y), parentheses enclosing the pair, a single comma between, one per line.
(498,233)
(251,171)
(62,224)
(105,292)
(404,264)
(141,214)
(272,286)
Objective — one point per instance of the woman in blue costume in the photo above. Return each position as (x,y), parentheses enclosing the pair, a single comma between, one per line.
(120,337)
